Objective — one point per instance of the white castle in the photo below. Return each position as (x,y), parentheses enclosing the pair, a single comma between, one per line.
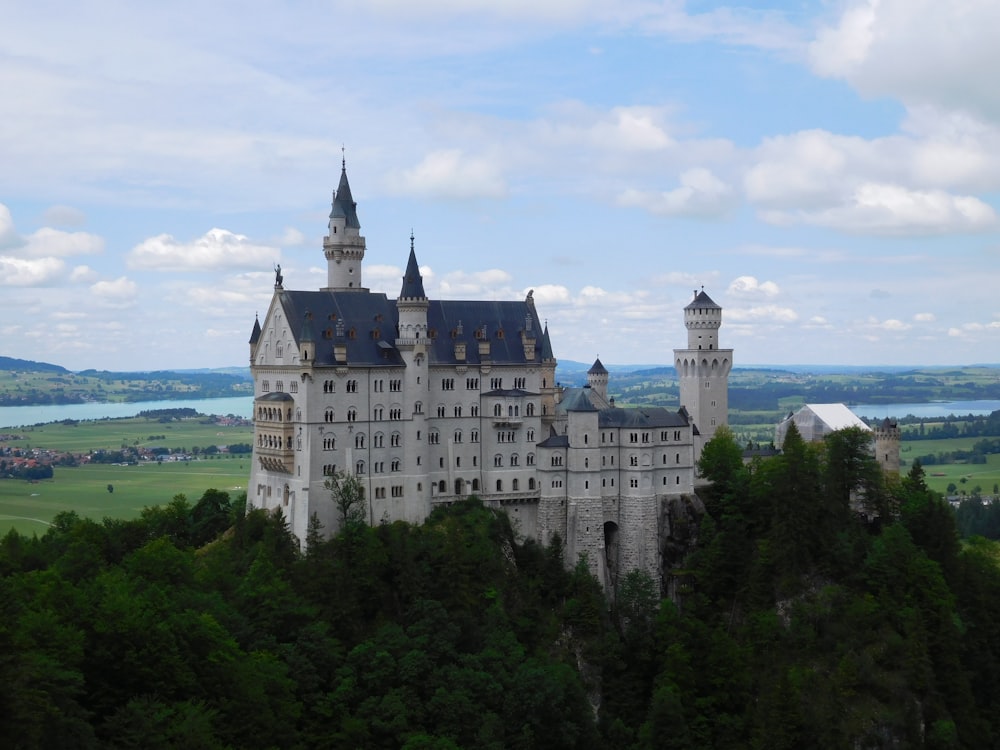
(429,401)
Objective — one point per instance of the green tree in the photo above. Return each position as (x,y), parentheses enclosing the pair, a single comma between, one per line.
(348,496)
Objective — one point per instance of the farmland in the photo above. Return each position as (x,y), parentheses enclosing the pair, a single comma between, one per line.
(29,506)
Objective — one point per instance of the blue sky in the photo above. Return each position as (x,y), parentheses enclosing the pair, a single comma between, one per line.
(829,172)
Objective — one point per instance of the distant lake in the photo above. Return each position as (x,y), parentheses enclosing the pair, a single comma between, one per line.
(19,416)
(932,410)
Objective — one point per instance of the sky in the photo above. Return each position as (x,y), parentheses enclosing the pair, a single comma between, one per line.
(828,172)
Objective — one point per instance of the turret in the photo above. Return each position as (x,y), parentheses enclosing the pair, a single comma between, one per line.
(254,337)
(344,247)
(597,379)
(887,437)
(412,303)
(703,369)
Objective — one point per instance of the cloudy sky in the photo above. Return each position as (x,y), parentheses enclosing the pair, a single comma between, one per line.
(828,171)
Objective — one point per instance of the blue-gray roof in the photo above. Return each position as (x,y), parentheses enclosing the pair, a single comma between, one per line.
(369,318)
(413,282)
(702,300)
(344,206)
(646,416)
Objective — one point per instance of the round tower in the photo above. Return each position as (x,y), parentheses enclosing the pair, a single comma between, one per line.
(887,440)
(597,379)
(703,370)
(344,247)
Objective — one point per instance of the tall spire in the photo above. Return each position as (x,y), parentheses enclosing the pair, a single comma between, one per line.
(413,282)
(344,206)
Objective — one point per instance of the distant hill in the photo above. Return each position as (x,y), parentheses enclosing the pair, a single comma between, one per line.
(27,365)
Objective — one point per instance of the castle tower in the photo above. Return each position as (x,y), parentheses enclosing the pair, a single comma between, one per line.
(887,438)
(412,303)
(703,369)
(597,379)
(344,247)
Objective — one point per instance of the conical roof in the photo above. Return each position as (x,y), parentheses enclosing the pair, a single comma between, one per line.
(702,300)
(597,368)
(255,334)
(413,282)
(344,206)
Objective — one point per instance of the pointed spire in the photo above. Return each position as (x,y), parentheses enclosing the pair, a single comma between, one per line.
(413,282)
(343,203)
(255,334)
(546,344)
(597,368)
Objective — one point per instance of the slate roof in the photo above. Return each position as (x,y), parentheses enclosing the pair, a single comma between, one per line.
(255,333)
(343,203)
(555,441)
(576,399)
(373,318)
(702,301)
(413,282)
(597,368)
(647,416)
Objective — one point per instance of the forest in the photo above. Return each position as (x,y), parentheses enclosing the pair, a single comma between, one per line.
(824,605)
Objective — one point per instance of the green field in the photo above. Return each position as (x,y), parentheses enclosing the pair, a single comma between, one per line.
(113,434)
(28,507)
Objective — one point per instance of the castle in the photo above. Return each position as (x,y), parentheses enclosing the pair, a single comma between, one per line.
(429,401)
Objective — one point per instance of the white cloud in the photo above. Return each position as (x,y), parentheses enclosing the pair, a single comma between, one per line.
(551,294)
(701,194)
(8,235)
(893,209)
(216,249)
(83,275)
(64,216)
(749,286)
(30,272)
(491,284)
(762,314)
(120,292)
(292,236)
(450,173)
(892,324)
(925,317)
(55,242)
(938,53)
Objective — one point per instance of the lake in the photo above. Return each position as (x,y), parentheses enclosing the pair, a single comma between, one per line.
(932,410)
(242,406)
(17,416)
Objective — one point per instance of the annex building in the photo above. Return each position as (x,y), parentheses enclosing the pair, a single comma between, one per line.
(430,401)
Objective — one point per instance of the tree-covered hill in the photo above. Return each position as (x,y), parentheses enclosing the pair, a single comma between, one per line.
(823,606)
(11,363)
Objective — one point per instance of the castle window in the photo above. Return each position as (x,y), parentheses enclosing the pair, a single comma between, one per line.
(379,440)
(514,459)
(633,460)
(497,410)
(458,411)
(499,485)
(474,410)
(519,382)
(441,486)
(394,440)
(293,387)
(633,483)
(514,485)
(441,462)
(530,409)
(458,436)
(352,414)
(586,463)
(677,480)
(359,440)
(529,435)
(498,460)
(677,458)
(328,415)
(441,411)
(530,459)
(418,408)
(474,436)
(475,461)
(359,468)
(266,386)
(531,483)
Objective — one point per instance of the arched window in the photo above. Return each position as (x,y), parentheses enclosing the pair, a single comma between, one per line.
(497,410)
(442,487)
(475,485)
(359,468)
(531,483)
(499,485)
(513,485)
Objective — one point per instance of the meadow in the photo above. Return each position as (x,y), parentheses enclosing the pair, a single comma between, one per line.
(29,507)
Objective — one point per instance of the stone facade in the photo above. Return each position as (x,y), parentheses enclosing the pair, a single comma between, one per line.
(430,401)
